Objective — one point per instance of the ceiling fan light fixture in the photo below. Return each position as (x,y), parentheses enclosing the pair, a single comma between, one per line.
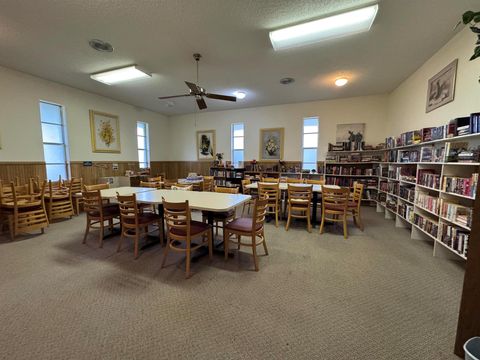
(240,94)
(116,76)
(347,23)
(341,81)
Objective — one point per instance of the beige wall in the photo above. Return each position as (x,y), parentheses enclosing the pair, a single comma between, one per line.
(371,110)
(406,104)
(21,138)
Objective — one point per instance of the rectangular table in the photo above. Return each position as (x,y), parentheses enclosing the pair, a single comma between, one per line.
(123,191)
(316,189)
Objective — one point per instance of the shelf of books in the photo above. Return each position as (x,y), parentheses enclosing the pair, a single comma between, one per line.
(428,181)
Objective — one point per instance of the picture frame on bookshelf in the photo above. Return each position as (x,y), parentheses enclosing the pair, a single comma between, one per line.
(441,87)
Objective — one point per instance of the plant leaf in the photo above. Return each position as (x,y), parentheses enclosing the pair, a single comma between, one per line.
(476,54)
(476,18)
(475,29)
(468,16)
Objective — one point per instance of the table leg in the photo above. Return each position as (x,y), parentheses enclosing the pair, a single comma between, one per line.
(314,209)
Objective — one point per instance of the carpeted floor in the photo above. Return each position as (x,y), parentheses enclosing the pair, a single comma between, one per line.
(377,295)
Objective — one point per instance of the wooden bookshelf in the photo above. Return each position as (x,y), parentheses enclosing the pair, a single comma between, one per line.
(227,177)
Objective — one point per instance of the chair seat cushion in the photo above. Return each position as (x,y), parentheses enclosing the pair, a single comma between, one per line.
(242,224)
(108,211)
(352,204)
(334,207)
(196,227)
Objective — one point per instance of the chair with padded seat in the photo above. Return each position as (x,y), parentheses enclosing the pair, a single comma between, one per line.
(247,191)
(298,204)
(272,193)
(252,228)
(184,187)
(151,184)
(294,181)
(354,205)
(270,180)
(335,207)
(315,182)
(221,217)
(135,223)
(181,229)
(207,183)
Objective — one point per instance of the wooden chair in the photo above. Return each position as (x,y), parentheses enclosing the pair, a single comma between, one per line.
(167,184)
(59,201)
(354,205)
(299,199)
(247,191)
(315,182)
(207,184)
(96,187)
(252,228)
(334,207)
(77,187)
(182,229)
(152,185)
(221,217)
(24,212)
(134,223)
(272,192)
(97,213)
(156,179)
(294,181)
(270,180)
(185,187)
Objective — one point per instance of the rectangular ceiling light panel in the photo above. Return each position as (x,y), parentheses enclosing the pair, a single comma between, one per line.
(331,27)
(120,75)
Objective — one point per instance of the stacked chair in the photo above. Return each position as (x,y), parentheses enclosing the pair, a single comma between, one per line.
(76,189)
(58,200)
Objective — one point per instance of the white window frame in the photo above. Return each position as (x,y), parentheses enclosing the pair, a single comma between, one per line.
(306,148)
(232,142)
(146,143)
(65,143)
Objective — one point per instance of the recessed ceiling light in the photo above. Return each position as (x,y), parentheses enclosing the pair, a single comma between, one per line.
(170,104)
(240,94)
(100,45)
(341,81)
(331,27)
(287,80)
(120,75)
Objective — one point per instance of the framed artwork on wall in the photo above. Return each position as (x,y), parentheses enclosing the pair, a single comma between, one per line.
(271,144)
(347,132)
(441,87)
(105,132)
(206,144)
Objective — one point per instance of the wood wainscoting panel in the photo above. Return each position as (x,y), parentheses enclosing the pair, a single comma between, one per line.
(91,174)
(180,169)
(10,171)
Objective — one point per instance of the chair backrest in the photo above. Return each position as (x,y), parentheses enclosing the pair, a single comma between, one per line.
(92,202)
(148,184)
(357,193)
(294,181)
(155,179)
(207,184)
(272,191)
(315,182)
(76,183)
(128,210)
(96,187)
(167,184)
(336,199)
(62,190)
(246,182)
(177,219)
(21,194)
(226,190)
(270,180)
(184,187)
(259,212)
(299,194)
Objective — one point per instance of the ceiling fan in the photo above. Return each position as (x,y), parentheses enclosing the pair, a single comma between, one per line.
(199,92)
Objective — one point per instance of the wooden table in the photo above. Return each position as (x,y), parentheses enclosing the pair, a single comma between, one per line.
(210,202)
(122,191)
(316,189)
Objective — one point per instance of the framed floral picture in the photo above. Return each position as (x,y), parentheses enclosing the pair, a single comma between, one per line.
(206,144)
(105,131)
(271,144)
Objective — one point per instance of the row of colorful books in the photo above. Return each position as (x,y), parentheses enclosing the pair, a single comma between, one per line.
(405,211)
(456,213)
(428,225)
(455,238)
(426,201)
(349,170)
(428,177)
(407,193)
(466,186)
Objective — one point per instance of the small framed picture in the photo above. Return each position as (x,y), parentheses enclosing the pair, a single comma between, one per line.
(105,132)
(271,144)
(441,87)
(206,144)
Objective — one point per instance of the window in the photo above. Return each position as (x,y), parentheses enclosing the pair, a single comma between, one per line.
(310,143)
(143,145)
(54,144)
(238,142)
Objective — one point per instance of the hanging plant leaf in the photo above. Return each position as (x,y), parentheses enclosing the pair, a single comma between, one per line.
(476,54)
(468,16)
(475,29)
(476,18)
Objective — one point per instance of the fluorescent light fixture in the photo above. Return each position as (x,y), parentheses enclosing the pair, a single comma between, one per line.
(239,94)
(331,27)
(120,75)
(341,81)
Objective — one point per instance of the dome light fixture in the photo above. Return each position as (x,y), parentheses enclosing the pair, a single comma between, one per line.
(240,94)
(341,82)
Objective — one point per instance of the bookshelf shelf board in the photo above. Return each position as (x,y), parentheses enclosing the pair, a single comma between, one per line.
(408,182)
(392,179)
(403,218)
(350,162)
(367,176)
(354,151)
(454,138)
(383,177)
(430,163)
(425,232)
(407,163)
(382,191)
(465,227)
(392,211)
(371,188)
(461,164)
(452,250)
(428,188)
(459,195)
(426,210)
(406,200)
(392,194)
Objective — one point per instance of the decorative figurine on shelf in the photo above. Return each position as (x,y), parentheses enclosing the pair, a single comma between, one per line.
(254,165)
(219,158)
(282,166)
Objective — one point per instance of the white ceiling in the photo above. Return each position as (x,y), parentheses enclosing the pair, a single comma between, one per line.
(49,38)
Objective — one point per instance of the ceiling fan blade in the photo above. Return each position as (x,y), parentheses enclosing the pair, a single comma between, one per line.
(193,87)
(221,97)
(174,96)
(201,103)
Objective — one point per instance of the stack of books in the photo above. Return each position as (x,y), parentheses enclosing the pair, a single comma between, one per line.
(460,185)
(428,225)
(406,211)
(429,178)
(456,213)
(407,193)
(428,202)
(455,238)
(409,156)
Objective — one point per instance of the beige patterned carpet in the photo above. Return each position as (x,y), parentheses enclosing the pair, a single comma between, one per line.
(377,295)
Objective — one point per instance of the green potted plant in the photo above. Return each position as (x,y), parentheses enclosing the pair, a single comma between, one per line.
(472,18)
